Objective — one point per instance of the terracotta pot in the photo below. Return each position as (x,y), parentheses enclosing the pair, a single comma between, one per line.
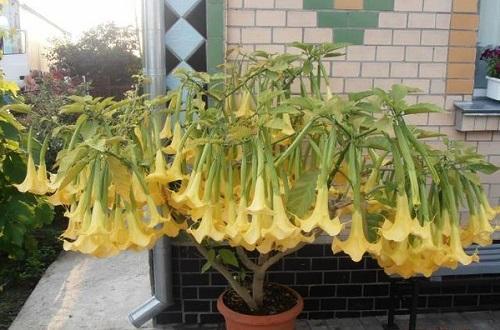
(281,321)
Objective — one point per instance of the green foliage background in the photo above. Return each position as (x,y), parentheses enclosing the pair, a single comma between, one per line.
(107,56)
(20,213)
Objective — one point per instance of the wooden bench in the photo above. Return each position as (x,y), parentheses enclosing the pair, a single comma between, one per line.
(489,264)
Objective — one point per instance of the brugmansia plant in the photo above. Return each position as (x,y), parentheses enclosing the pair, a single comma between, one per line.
(246,167)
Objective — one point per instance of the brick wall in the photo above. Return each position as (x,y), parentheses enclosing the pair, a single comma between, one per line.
(429,44)
(333,286)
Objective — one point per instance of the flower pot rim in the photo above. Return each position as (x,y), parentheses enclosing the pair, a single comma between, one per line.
(258,320)
(493,78)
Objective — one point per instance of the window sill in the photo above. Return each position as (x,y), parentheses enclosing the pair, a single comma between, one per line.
(480,114)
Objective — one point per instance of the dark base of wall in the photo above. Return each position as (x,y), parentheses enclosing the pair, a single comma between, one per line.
(333,286)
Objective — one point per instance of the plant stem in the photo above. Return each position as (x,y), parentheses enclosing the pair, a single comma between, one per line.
(259,276)
(245,260)
(240,289)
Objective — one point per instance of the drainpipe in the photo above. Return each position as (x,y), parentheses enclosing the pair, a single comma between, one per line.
(154,68)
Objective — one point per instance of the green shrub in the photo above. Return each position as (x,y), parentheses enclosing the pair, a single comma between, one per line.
(21,213)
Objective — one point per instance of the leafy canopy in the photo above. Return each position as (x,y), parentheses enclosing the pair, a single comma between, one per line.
(107,55)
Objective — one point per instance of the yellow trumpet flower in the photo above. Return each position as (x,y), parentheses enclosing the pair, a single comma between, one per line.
(207,227)
(356,244)
(403,222)
(74,223)
(266,245)
(490,212)
(281,227)
(137,190)
(320,217)
(166,132)
(138,235)
(171,228)
(64,196)
(288,128)
(34,182)
(174,172)
(155,218)
(191,195)
(424,242)
(245,109)
(254,232)
(105,250)
(240,225)
(259,203)
(157,191)
(42,179)
(98,221)
(174,145)
(119,233)
(229,213)
(457,252)
(478,230)
(160,174)
(294,240)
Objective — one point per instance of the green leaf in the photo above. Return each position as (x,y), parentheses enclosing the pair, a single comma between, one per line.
(303,46)
(422,108)
(484,167)
(425,134)
(210,260)
(398,92)
(384,124)
(9,131)
(206,266)
(44,213)
(18,107)
(360,95)
(9,118)
(308,67)
(228,257)
(14,167)
(72,108)
(376,142)
(303,102)
(303,194)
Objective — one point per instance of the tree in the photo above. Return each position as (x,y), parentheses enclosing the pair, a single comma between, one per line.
(106,55)
(254,170)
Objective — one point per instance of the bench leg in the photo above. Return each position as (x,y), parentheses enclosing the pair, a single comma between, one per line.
(414,305)
(392,306)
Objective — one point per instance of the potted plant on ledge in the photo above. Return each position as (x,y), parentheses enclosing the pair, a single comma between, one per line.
(252,171)
(492,58)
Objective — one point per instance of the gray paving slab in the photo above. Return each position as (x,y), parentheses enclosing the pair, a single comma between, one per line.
(82,292)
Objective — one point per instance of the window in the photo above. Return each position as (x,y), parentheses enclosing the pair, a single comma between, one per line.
(489,35)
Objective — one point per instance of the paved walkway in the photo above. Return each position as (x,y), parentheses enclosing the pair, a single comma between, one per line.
(80,292)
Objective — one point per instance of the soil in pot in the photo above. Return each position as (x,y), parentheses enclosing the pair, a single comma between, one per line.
(277,299)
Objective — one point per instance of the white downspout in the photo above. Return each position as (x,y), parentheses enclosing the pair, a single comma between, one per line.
(153,22)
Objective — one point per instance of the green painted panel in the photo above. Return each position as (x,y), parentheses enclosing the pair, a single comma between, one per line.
(317,4)
(215,53)
(351,36)
(215,18)
(215,34)
(333,19)
(363,19)
(380,4)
